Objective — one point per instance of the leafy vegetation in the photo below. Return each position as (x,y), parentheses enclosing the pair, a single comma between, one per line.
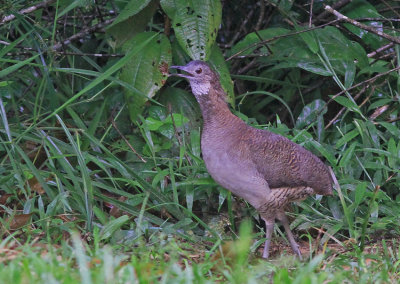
(101,176)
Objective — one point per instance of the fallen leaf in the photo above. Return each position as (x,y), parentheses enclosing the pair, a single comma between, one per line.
(35,185)
(19,221)
(4,197)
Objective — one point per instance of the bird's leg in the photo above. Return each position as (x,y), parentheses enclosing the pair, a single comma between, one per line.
(284,220)
(268,234)
(272,208)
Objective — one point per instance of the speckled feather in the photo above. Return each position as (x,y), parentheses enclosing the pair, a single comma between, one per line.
(279,161)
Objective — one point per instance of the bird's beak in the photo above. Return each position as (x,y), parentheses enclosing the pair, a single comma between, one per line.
(187,74)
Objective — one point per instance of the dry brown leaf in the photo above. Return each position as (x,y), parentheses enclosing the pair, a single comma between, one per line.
(115,211)
(4,197)
(35,185)
(19,221)
(368,261)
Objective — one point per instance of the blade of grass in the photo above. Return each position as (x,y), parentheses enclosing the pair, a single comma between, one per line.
(118,65)
(87,183)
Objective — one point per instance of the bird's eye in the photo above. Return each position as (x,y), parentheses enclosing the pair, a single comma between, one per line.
(198,71)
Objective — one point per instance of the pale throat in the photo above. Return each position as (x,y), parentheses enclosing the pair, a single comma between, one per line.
(200,88)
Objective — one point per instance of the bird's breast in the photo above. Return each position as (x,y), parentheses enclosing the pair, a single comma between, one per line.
(229,166)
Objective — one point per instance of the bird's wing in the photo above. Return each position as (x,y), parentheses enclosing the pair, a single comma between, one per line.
(284,163)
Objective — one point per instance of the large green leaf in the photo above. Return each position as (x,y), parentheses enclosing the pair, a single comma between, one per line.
(309,38)
(363,9)
(218,62)
(147,71)
(286,52)
(342,53)
(131,9)
(253,38)
(196,23)
(312,112)
(179,56)
(301,51)
(132,20)
(180,101)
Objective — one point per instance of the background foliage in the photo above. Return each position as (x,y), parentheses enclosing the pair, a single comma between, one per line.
(95,138)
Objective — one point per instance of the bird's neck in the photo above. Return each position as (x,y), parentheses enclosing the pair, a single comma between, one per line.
(213,104)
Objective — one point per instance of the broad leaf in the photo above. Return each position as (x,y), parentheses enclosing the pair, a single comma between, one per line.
(195,23)
(363,9)
(132,20)
(217,61)
(347,103)
(313,112)
(131,9)
(147,71)
(341,53)
(309,39)
(109,229)
(180,101)
(253,38)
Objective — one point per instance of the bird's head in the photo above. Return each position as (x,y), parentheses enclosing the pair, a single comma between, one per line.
(199,74)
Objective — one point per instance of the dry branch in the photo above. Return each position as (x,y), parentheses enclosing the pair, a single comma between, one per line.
(257,44)
(361,84)
(379,50)
(362,26)
(26,11)
(82,33)
(337,5)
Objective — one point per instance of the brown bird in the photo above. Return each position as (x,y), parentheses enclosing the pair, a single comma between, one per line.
(265,169)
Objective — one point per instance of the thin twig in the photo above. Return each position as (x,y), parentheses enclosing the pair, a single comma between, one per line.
(283,12)
(29,53)
(238,33)
(90,54)
(344,108)
(337,5)
(329,235)
(383,57)
(378,112)
(371,93)
(362,26)
(177,134)
(248,66)
(368,19)
(126,140)
(266,45)
(26,11)
(276,38)
(261,16)
(391,120)
(360,84)
(390,7)
(311,14)
(82,33)
(381,49)
(249,56)
(355,98)
(380,11)
(100,14)
(4,42)
(79,17)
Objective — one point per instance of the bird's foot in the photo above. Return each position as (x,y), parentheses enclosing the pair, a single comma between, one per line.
(265,254)
(296,249)
(268,235)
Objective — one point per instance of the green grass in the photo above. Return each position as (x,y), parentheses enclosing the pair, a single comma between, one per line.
(168,259)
